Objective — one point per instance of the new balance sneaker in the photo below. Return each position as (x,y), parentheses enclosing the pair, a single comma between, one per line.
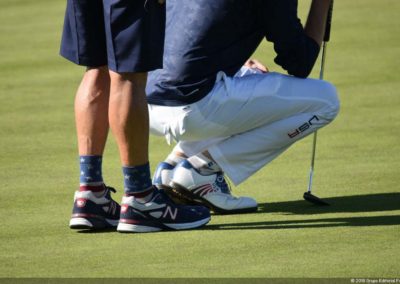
(160,213)
(91,212)
(209,190)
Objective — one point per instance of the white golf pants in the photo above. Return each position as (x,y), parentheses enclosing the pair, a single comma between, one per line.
(248,120)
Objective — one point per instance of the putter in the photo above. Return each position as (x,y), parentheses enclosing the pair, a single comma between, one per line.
(308,195)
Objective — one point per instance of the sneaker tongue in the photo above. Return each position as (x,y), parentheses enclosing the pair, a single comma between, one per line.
(159,196)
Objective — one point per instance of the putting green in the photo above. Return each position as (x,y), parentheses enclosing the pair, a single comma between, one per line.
(357,168)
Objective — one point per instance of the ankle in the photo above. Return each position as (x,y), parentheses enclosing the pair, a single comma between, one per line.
(97,190)
(91,178)
(143,196)
(136,178)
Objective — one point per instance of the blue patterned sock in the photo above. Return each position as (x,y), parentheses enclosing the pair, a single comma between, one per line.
(91,177)
(137,179)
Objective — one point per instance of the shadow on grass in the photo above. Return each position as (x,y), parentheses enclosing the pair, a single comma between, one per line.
(100,231)
(310,223)
(342,204)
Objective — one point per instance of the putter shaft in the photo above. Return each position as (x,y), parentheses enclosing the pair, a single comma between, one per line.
(314,147)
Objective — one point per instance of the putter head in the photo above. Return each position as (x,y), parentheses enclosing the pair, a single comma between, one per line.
(314,199)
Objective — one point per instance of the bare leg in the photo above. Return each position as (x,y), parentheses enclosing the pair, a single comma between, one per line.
(128,116)
(91,111)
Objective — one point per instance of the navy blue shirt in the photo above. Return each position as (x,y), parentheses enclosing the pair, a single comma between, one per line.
(204,37)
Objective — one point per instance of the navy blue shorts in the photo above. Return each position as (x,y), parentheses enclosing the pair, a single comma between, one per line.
(126,35)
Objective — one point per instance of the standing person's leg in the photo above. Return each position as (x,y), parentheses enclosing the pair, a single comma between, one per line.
(91,111)
(134,35)
(129,123)
(83,43)
(91,118)
(134,31)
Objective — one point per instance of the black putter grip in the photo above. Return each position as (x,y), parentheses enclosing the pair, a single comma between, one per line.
(328,24)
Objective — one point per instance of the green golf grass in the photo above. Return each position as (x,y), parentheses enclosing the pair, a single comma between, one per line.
(357,168)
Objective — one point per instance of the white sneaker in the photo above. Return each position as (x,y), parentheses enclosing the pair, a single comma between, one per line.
(163,175)
(211,190)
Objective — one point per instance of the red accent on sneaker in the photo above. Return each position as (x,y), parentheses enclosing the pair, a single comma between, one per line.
(129,221)
(92,188)
(124,208)
(141,194)
(81,202)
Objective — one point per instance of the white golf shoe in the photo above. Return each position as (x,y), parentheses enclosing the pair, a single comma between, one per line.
(210,190)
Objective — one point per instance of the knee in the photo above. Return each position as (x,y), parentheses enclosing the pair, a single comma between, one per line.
(331,98)
(95,86)
(98,77)
(134,80)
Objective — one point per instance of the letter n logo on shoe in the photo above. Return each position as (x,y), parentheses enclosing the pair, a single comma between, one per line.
(171,211)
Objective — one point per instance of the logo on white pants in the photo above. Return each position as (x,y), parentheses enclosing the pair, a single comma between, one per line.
(303,127)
